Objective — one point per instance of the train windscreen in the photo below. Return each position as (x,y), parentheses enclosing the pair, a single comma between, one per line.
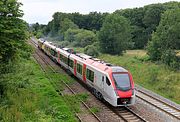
(122,81)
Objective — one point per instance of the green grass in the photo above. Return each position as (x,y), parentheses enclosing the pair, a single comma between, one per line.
(74,101)
(31,97)
(155,77)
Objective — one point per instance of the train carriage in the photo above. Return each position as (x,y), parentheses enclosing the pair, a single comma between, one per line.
(109,82)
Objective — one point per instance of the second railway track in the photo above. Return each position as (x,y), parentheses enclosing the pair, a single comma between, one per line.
(159,104)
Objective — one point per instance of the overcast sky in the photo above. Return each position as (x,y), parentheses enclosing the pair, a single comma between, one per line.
(42,10)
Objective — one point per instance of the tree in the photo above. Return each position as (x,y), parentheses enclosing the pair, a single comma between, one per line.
(92,50)
(67,24)
(70,34)
(12,30)
(85,38)
(80,37)
(166,37)
(115,34)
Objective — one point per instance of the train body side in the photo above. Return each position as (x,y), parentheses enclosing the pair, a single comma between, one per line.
(96,75)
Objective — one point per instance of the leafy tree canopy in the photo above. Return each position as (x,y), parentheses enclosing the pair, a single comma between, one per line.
(12,30)
(166,37)
(115,34)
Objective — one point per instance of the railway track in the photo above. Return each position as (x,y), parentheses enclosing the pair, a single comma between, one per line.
(159,104)
(128,115)
(124,113)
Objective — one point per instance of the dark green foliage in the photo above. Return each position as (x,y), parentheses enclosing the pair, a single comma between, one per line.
(70,34)
(152,16)
(67,24)
(166,38)
(91,21)
(145,20)
(115,34)
(85,38)
(80,37)
(13,33)
(12,30)
(37,29)
(92,50)
(169,58)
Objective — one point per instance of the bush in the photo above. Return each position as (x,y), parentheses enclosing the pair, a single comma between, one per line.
(92,50)
(80,37)
(64,43)
(169,58)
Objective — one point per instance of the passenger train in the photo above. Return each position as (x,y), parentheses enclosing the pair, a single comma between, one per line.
(112,83)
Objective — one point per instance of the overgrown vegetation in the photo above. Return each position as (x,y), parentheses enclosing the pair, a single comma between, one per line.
(13,33)
(31,97)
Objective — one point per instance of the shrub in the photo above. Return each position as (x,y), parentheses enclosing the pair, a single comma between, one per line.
(169,58)
(92,50)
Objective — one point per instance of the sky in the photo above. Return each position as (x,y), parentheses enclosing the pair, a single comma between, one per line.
(41,11)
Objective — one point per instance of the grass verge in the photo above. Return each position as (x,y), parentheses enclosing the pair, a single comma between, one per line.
(31,97)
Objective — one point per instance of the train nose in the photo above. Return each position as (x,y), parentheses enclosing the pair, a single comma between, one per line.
(124,94)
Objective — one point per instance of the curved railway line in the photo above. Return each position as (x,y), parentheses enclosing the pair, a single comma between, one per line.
(124,113)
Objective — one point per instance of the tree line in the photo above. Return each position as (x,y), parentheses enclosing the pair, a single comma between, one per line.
(137,28)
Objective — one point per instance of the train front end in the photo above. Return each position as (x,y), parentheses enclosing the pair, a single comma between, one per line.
(123,86)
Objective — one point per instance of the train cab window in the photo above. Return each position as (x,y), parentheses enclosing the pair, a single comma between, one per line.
(79,68)
(71,63)
(107,81)
(90,75)
(122,81)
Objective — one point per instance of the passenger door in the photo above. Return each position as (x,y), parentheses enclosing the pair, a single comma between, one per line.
(107,86)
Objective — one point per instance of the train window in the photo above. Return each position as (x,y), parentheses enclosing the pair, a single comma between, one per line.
(79,69)
(103,78)
(55,54)
(107,81)
(64,59)
(71,63)
(90,75)
(52,52)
